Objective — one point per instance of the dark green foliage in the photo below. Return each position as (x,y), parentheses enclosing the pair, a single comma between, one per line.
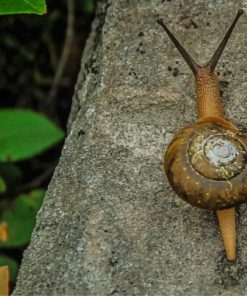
(2,185)
(10,173)
(88,6)
(13,266)
(20,217)
(30,49)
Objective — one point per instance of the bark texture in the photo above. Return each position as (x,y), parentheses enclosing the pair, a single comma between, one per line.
(110,223)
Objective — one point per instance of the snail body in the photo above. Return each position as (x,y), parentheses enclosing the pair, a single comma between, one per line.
(205,163)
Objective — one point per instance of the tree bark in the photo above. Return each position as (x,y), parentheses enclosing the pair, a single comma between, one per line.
(110,223)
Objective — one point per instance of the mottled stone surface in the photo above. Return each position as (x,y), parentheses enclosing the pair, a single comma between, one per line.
(110,224)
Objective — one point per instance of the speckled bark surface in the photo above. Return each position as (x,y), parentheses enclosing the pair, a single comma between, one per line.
(110,224)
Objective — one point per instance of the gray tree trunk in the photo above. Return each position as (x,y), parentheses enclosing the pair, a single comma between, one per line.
(110,223)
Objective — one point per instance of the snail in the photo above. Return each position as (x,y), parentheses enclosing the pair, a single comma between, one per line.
(205,163)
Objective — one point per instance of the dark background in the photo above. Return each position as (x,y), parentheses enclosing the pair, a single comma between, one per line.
(31,51)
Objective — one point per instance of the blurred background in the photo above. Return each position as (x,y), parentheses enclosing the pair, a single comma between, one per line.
(39,61)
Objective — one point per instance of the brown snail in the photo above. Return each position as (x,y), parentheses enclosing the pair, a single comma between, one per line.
(205,162)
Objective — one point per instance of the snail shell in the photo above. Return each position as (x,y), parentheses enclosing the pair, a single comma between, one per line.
(205,164)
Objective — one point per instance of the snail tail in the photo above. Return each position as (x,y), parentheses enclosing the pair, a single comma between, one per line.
(228,231)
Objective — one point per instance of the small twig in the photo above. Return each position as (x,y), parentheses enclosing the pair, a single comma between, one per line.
(51,48)
(37,181)
(65,52)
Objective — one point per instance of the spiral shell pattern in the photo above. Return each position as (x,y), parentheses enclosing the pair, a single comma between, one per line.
(206,165)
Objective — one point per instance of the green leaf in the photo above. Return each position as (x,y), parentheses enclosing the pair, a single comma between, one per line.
(22,6)
(2,185)
(21,218)
(12,264)
(23,134)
